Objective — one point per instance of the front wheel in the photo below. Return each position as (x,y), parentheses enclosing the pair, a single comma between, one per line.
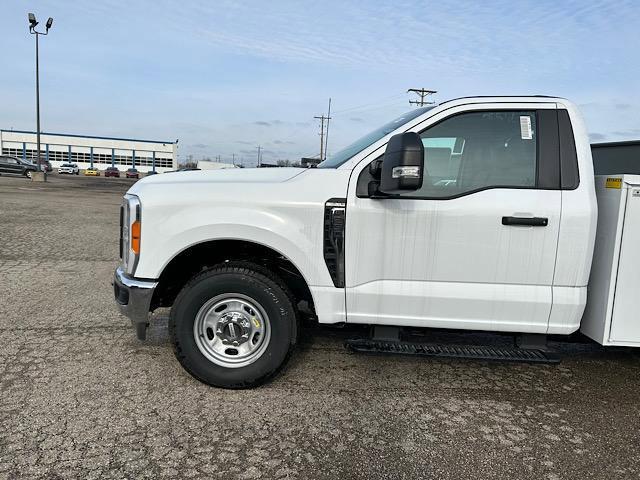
(233,326)
(27,174)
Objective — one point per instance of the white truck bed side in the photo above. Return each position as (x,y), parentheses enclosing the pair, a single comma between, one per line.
(612,315)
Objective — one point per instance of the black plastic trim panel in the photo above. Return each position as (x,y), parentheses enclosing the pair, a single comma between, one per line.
(548,150)
(121,225)
(569,173)
(333,241)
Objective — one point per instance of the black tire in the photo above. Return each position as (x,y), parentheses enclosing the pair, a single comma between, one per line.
(242,278)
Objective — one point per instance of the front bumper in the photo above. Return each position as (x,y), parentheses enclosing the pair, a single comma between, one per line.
(133,297)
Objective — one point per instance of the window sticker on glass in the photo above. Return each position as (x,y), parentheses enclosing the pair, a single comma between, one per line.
(525,127)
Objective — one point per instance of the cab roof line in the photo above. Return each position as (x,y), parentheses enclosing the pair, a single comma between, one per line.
(550,97)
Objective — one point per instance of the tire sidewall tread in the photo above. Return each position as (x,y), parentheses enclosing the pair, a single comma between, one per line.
(234,277)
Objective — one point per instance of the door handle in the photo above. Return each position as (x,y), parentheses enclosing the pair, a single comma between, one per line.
(527,221)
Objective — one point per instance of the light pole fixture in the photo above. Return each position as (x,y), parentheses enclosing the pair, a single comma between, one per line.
(32,30)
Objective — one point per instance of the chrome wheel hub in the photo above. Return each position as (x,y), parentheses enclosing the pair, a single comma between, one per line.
(232,330)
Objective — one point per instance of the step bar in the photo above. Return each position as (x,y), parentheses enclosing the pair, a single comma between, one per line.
(474,352)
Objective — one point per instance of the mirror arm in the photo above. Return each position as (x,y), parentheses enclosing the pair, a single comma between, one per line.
(373,191)
(375,168)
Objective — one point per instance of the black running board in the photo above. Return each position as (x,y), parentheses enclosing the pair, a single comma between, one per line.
(475,352)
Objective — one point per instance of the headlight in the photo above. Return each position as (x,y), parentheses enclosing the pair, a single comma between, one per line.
(130,229)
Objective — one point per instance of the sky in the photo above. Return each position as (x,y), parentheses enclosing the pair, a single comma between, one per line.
(224,76)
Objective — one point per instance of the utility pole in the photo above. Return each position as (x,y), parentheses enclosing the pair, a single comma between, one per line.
(422,93)
(259,156)
(322,119)
(233,158)
(326,137)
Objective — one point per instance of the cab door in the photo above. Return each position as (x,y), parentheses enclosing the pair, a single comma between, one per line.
(475,246)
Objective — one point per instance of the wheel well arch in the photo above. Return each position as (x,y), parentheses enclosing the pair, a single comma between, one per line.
(192,260)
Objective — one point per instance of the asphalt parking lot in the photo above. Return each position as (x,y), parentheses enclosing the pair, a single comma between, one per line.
(82,398)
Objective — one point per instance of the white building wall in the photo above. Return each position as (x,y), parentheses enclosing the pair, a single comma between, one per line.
(208,165)
(58,147)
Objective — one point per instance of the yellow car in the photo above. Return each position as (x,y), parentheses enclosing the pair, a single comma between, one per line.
(92,172)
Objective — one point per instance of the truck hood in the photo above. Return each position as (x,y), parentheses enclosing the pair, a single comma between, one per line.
(225,175)
(214,194)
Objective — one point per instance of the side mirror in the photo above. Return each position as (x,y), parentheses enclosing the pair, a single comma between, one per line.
(402,164)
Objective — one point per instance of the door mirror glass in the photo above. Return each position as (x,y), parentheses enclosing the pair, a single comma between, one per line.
(402,164)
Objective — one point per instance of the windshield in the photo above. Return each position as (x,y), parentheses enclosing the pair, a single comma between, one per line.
(338,158)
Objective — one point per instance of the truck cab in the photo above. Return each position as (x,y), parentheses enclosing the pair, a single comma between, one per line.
(476,214)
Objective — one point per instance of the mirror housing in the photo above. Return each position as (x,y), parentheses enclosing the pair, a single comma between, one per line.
(402,164)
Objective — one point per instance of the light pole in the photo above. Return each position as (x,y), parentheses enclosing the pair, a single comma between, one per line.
(32,30)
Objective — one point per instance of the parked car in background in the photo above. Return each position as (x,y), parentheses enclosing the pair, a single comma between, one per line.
(150,172)
(16,166)
(70,168)
(92,172)
(112,172)
(132,173)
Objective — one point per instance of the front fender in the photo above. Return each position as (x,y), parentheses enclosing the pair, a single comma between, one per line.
(293,234)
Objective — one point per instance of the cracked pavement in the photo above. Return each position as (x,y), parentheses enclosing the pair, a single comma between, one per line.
(80,397)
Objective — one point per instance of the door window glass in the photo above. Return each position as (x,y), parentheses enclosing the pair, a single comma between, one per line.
(478,150)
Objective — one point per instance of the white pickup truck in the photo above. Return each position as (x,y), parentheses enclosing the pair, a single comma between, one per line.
(476,214)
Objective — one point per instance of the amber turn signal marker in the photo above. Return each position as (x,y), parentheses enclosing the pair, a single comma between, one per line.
(135,237)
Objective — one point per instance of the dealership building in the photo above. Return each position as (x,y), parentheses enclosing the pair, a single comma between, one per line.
(87,151)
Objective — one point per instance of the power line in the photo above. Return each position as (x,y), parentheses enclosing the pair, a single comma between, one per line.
(422,93)
(360,112)
(365,105)
(383,103)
